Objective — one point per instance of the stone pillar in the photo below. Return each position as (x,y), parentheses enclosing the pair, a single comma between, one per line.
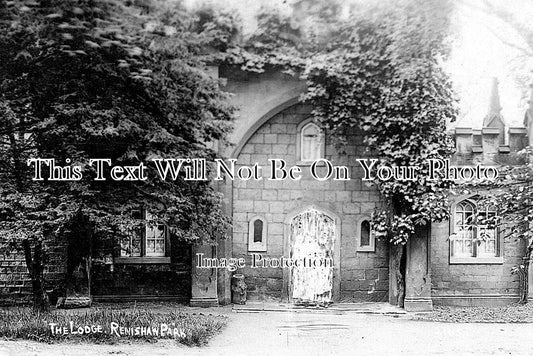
(530,282)
(204,280)
(517,138)
(224,248)
(463,140)
(223,275)
(417,276)
(491,143)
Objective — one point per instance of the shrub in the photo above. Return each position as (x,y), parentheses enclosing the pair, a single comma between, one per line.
(187,328)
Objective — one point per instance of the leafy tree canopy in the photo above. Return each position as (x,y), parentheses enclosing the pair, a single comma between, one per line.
(107,79)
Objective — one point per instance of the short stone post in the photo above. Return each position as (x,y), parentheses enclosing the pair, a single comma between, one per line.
(204,280)
(417,276)
(530,281)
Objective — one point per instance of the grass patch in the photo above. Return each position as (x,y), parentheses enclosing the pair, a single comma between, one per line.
(101,325)
(513,313)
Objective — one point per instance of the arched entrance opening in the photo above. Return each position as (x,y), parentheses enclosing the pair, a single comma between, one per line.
(312,242)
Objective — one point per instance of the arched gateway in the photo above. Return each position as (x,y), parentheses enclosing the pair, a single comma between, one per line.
(301,219)
(312,241)
(312,237)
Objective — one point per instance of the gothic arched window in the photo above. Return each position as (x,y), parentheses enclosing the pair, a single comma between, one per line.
(257,234)
(311,142)
(366,241)
(474,237)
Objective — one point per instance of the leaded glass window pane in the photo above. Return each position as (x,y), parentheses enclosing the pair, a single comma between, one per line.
(473,235)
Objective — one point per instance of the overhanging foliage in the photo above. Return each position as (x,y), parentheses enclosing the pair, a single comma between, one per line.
(107,79)
(378,70)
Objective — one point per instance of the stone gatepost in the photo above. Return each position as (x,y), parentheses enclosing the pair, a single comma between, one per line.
(530,281)
(204,280)
(417,275)
(224,246)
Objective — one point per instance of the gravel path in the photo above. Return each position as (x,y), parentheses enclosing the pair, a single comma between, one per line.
(505,314)
(281,333)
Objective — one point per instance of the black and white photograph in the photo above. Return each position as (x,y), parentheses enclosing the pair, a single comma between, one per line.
(266,177)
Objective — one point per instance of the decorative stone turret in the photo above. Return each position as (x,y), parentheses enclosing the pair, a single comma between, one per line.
(528,118)
(493,131)
(493,122)
(487,144)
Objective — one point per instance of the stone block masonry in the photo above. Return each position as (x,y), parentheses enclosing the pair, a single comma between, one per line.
(472,284)
(15,281)
(364,275)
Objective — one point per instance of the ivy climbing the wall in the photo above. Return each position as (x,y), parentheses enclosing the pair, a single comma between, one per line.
(378,69)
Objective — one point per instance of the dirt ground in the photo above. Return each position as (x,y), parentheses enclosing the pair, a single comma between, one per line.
(309,333)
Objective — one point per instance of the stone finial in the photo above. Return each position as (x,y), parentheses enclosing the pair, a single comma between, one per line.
(494,105)
(528,117)
(494,117)
(493,132)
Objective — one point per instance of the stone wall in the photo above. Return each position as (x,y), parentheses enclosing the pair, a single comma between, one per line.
(141,282)
(475,283)
(364,275)
(144,281)
(15,281)
(126,281)
(472,284)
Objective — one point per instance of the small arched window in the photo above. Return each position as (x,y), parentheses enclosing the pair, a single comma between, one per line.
(258,231)
(257,234)
(311,142)
(365,237)
(365,233)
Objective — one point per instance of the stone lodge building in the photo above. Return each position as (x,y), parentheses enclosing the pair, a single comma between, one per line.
(438,270)
(325,219)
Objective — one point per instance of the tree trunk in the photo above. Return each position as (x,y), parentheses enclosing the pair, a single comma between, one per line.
(524,292)
(524,277)
(35,268)
(397,265)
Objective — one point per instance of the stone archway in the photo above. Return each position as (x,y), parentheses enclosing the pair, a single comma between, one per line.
(312,240)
